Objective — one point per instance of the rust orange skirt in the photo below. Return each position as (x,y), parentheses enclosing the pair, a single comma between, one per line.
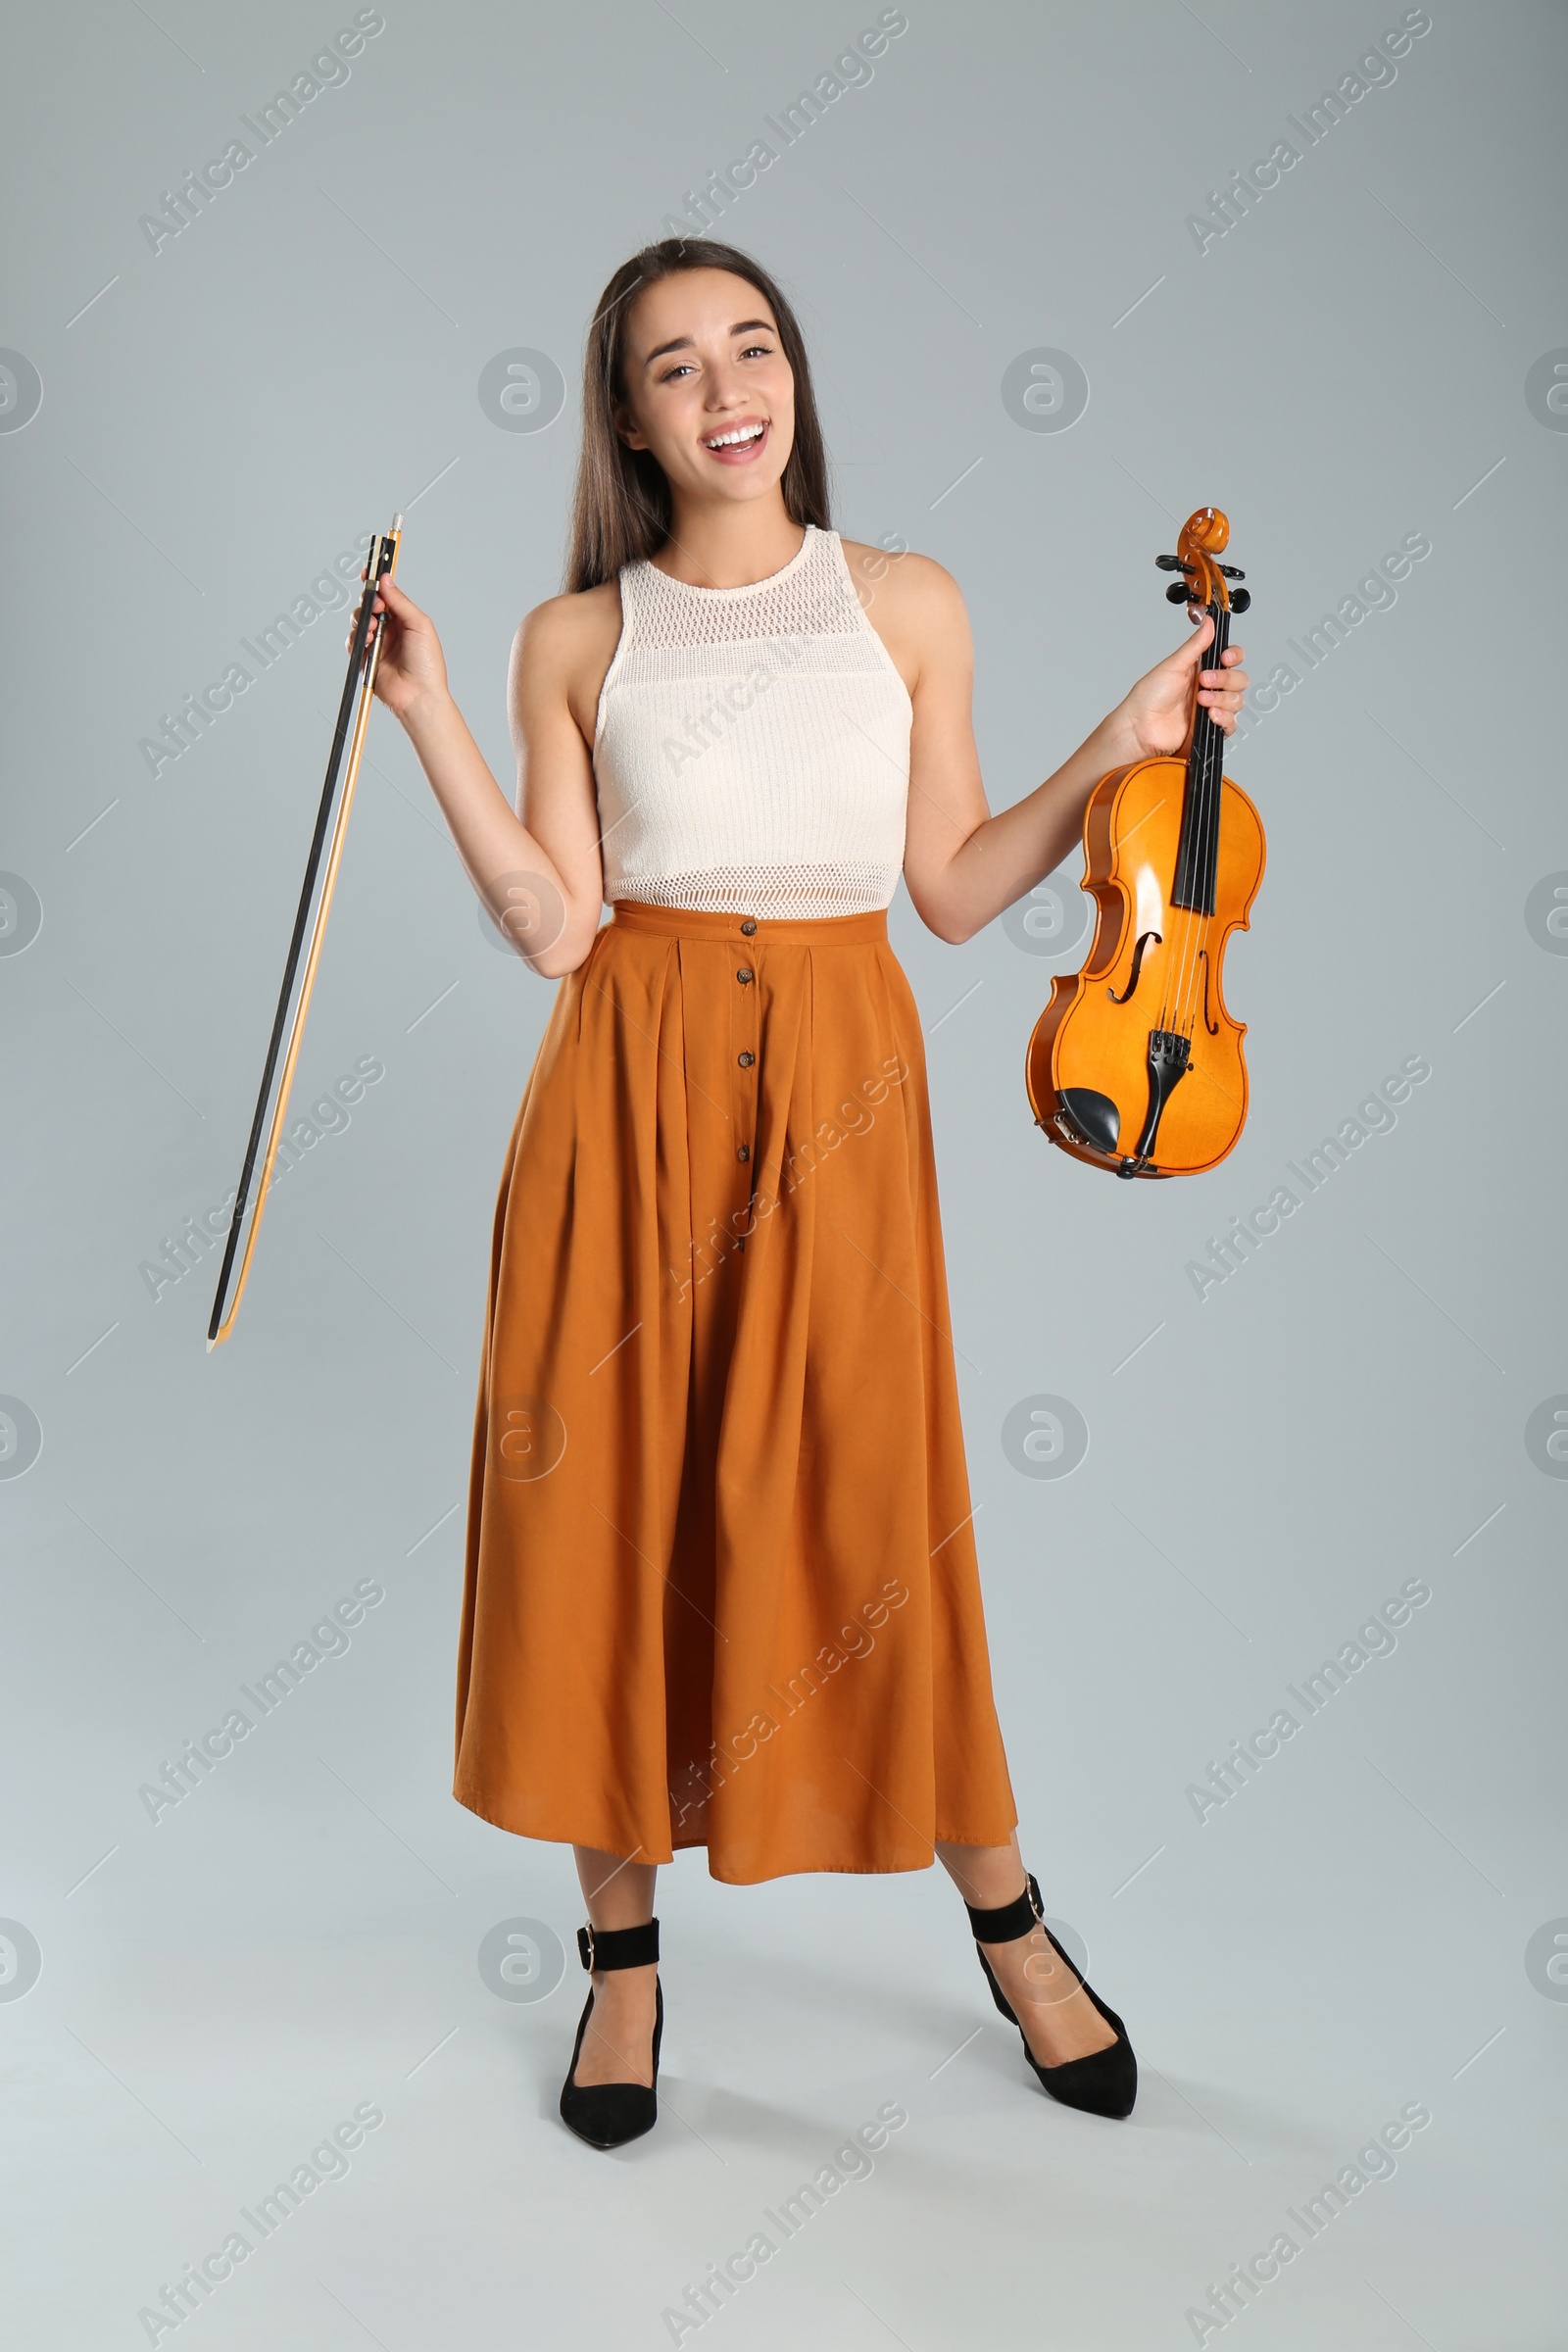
(721,1582)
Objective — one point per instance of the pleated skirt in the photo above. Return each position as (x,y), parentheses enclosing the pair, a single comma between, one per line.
(721,1584)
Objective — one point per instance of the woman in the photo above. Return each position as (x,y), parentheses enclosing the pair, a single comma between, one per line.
(721,1579)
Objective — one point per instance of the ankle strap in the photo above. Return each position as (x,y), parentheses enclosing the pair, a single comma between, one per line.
(1008,1921)
(619,1947)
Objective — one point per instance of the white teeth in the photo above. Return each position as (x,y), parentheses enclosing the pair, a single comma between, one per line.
(749,433)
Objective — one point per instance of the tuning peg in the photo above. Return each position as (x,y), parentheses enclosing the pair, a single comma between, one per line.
(1230,571)
(1242,601)
(1169,562)
(1178,592)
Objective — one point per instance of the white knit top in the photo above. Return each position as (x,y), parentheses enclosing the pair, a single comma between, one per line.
(752,744)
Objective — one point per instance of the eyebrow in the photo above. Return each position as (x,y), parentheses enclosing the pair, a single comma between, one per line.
(684,342)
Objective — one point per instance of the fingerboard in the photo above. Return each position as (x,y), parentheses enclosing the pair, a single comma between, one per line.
(1197,851)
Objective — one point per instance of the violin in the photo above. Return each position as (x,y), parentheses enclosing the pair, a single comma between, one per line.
(1136,1063)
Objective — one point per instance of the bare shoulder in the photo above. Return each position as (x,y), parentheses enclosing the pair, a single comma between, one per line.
(913,602)
(564,648)
(902,575)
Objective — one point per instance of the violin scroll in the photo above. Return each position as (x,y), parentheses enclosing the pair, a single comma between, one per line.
(1205,536)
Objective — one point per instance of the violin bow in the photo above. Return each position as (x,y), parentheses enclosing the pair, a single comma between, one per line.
(354,713)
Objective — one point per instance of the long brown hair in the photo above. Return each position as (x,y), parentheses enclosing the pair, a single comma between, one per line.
(622,511)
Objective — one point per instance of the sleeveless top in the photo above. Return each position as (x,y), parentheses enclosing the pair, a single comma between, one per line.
(752,744)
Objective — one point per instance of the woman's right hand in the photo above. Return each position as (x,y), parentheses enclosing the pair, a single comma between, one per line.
(411,672)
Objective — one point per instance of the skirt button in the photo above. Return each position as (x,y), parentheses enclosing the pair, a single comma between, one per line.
(744,975)
(748,927)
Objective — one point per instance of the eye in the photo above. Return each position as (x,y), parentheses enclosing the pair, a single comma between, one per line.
(670,374)
(760,350)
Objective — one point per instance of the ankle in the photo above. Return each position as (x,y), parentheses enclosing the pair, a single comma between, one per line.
(1006,1921)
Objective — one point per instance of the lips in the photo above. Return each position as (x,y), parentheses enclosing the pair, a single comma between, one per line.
(740,452)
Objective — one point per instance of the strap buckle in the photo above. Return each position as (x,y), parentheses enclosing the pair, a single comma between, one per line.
(585,1945)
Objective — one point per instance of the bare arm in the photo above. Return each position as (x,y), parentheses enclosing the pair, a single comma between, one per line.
(961,864)
(538,869)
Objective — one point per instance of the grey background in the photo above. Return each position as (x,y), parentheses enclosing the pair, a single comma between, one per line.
(1368,1923)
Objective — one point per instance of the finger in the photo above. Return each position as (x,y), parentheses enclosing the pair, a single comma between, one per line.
(1225,678)
(1233,653)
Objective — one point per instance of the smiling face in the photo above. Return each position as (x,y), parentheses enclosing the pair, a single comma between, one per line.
(709,391)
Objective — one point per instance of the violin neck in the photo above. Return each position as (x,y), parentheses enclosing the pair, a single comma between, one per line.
(1198,851)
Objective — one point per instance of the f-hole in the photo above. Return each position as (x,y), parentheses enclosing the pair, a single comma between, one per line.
(1138,958)
(1211,1026)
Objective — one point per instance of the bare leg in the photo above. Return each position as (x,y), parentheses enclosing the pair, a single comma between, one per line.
(618,2045)
(1058,2019)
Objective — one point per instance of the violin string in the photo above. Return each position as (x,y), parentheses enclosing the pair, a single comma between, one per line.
(1206,838)
(1175,959)
(1196,794)
(1168,958)
(1217,809)
(1212,754)
(1194,828)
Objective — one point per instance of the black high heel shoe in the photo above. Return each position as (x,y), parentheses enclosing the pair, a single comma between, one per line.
(608,2114)
(1106,2082)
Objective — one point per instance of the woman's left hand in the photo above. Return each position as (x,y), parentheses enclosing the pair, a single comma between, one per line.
(1153,716)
